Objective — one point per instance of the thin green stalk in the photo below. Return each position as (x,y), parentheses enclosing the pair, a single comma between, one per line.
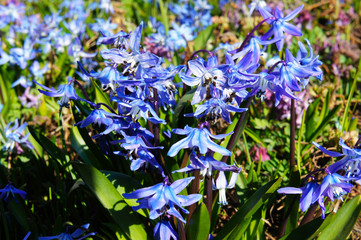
(299,156)
(248,156)
(353,87)
(292,135)
(238,129)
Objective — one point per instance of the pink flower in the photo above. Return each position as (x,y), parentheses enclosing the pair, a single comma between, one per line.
(259,151)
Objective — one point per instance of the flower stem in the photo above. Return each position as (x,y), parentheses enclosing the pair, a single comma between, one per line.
(209,194)
(202,50)
(309,215)
(293,133)
(250,35)
(275,65)
(238,129)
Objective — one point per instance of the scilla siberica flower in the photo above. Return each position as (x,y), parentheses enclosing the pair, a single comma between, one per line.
(163,197)
(221,185)
(308,196)
(200,138)
(280,25)
(350,161)
(66,92)
(9,191)
(206,164)
(207,74)
(14,136)
(163,230)
(76,235)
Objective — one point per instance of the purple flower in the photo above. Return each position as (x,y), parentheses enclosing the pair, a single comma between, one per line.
(200,138)
(163,197)
(9,191)
(280,25)
(76,235)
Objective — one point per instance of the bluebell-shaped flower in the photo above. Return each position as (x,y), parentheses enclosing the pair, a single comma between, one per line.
(221,184)
(280,25)
(98,116)
(308,60)
(200,138)
(207,164)
(36,71)
(76,235)
(66,92)
(137,108)
(163,230)
(333,186)
(351,161)
(163,197)
(207,75)
(253,47)
(215,108)
(9,191)
(14,136)
(307,192)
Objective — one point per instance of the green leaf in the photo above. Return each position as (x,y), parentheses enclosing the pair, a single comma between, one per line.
(100,97)
(48,145)
(82,148)
(357,75)
(132,227)
(240,229)
(199,224)
(181,105)
(19,213)
(250,207)
(125,184)
(343,222)
(305,231)
(323,124)
(200,41)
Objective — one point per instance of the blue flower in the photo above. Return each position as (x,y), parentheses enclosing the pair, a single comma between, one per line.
(332,186)
(14,136)
(207,164)
(350,161)
(215,108)
(253,47)
(156,197)
(66,92)
(76,235)
(163,230)
(9,191)
(308,196)
(98,116)
(200,138)
(280,25)
(207,75)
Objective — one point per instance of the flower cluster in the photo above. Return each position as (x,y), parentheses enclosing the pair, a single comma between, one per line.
(30,39)
(333,185)
(141,87)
